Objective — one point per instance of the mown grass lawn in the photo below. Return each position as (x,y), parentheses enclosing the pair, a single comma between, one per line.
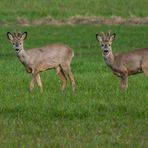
(97,114)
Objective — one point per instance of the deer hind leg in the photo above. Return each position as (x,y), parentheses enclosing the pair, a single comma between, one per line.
(124,82)
(39,82)
(67,71)
(62,77)
(72,81)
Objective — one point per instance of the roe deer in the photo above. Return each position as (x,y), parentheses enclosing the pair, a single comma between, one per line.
(124,64)
(54,56)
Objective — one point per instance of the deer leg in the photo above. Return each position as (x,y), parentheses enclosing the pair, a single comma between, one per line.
(62,77)
(39,82)
(67,71)
(124,82)
(32,82)
(72,81)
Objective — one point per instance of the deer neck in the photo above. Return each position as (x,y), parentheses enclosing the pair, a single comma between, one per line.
(109,59)
(23,57)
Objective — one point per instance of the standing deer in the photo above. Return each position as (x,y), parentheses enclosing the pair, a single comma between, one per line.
(55,56)
(124,64)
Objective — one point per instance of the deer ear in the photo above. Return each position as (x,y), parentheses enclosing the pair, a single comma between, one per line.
(24,36)
(112,36)
(9,36)
(98,37)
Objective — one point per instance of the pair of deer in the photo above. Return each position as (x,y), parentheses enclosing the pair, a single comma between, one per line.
(59,56)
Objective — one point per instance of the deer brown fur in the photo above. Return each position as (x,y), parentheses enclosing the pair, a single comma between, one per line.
(124,64)
(54,56)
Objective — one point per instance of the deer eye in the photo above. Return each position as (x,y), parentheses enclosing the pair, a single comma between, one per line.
(102,45)
(13,43)
(109,44)
(20,43)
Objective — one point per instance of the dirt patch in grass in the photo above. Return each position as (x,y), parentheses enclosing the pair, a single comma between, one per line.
(80,20)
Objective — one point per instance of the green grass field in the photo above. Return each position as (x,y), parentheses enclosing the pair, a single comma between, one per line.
(98,114)
(62,9)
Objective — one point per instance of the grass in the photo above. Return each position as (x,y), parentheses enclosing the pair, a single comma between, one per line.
(62,9)
(98,114)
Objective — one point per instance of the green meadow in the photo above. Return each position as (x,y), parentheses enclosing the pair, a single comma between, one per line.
(98,113)
(62,9)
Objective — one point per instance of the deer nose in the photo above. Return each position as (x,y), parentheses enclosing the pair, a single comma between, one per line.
(105,50)
(17,49)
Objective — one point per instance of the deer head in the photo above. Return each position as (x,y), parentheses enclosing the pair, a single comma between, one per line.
(17,40)
(105,41)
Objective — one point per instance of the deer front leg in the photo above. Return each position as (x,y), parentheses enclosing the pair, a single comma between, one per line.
(124,82)
(39,82)
(31,87)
